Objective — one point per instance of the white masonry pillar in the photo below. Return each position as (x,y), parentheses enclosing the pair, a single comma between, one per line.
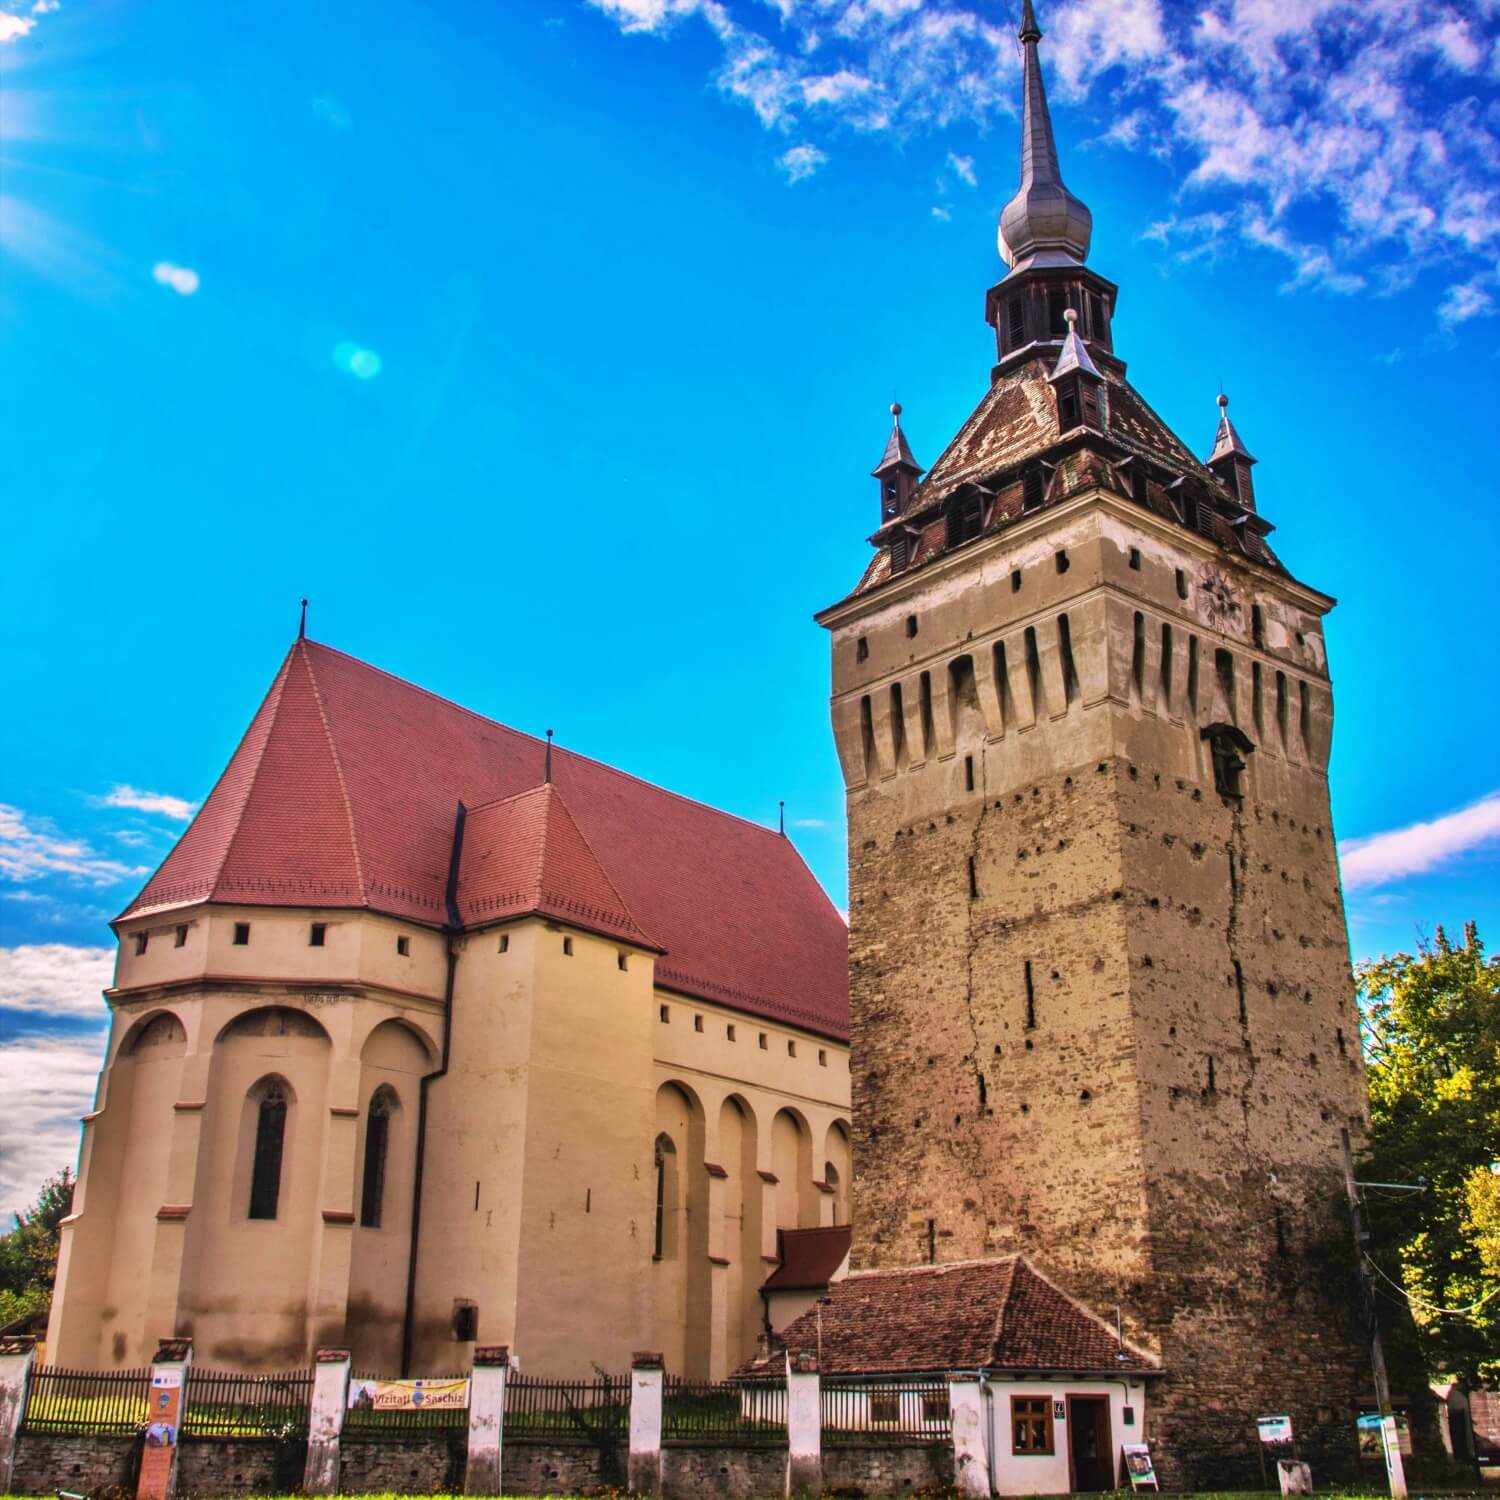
(971,1463)
(804,1426)
(647,1377)
(486,1419)
(17,1356)
(325,1422)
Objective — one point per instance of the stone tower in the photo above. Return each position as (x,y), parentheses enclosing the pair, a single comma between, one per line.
(1100,985)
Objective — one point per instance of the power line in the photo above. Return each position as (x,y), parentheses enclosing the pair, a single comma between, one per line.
(1432,1307)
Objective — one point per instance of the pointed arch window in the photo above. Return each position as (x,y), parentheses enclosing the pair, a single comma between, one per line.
(377,1144)
(664,1150)
(270,1139)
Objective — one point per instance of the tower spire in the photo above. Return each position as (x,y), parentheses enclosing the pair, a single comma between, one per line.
(897,471)
(1044,223)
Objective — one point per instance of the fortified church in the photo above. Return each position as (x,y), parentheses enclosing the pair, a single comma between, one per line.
(425,1033)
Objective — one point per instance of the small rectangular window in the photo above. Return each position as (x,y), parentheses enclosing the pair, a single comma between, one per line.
(181,940)
(1182,584)
(1140,482)
(697,1023)
(1258,624)
(568,947)
(1090,406)
(822,1058)
(1057,307)
(622,962)
(729,1031)
(911,627)
(1033,489)
(791,1048)
(1067,407)
(762,1041)
(664,1014)
(403,947)
(1135,558)
(1015,321)
(1031,1425)
(316,934)
(465,1322)
(968,773)
(504,942)
(241,934)
(900,552)
(141,939)
(1015,580)
(885,1408)
(861,649)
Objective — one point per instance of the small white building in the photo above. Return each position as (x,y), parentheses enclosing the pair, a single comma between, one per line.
(1062,1392)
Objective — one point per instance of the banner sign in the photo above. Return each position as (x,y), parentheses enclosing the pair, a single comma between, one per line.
(162,1423)
(1274,1430)
(409,1395)
(1139,1467)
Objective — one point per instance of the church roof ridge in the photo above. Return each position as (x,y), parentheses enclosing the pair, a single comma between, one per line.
(338,745)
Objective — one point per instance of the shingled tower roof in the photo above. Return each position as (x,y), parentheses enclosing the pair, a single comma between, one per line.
(1053,316)
(343,793)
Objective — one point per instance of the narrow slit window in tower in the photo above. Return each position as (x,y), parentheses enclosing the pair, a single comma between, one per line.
(270,1137)
(1030,998)
(1069,669)
(1138,657)
(377,1142)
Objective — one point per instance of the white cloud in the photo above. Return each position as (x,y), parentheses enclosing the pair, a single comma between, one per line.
(45,7)
(1464,301)
(31,849)
(182,279)
(1382,858)
(56,979)
(47,1083)
(1324,131)
(941,214)
(800,162)
(963,168)
(12,28)
(179,809)
(810,823)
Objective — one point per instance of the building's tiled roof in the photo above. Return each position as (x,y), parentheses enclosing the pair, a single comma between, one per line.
(973,1315)
(808,1257)
(1016,422)
(524,855)
(344,792)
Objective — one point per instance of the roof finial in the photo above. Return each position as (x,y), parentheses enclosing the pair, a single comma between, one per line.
(302,628)
(547,770)
(781,806)
(1044,218)
(897,452)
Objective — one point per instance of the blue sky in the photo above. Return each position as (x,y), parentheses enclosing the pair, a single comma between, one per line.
(547,347)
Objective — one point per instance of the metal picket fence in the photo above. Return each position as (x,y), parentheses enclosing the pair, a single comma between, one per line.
(701,1410)
(61,1400)
(874,1411)
(593,1409)
(222,1403)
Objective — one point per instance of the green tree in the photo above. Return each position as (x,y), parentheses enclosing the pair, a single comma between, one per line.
(1433,1046)
(28,1254)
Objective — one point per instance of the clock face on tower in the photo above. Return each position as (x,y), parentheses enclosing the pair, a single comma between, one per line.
(1219,602)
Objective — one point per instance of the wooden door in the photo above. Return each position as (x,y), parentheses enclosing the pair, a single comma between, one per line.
(1090,1456)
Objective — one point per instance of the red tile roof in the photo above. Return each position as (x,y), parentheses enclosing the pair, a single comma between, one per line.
(808,1257)
(973,1315)
(524,854)
(344,790)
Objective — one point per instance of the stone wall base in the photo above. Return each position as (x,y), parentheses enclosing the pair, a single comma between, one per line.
(424,1465)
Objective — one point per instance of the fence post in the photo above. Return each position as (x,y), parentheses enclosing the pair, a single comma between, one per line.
(17,1355)
(169,1373)
(647,1376)
(325,1421)
(804,1425)
(971,1463)
(486,1419)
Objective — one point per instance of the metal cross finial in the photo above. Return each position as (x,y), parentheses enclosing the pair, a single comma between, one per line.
(547,773)
(302,628)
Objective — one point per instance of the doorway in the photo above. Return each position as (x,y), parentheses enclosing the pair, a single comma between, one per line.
(1091,1465)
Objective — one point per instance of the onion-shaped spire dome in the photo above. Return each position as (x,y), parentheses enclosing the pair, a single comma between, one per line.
(1044,222)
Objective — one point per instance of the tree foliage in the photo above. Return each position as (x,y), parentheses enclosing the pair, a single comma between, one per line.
(28,1254)
(1433,1046)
